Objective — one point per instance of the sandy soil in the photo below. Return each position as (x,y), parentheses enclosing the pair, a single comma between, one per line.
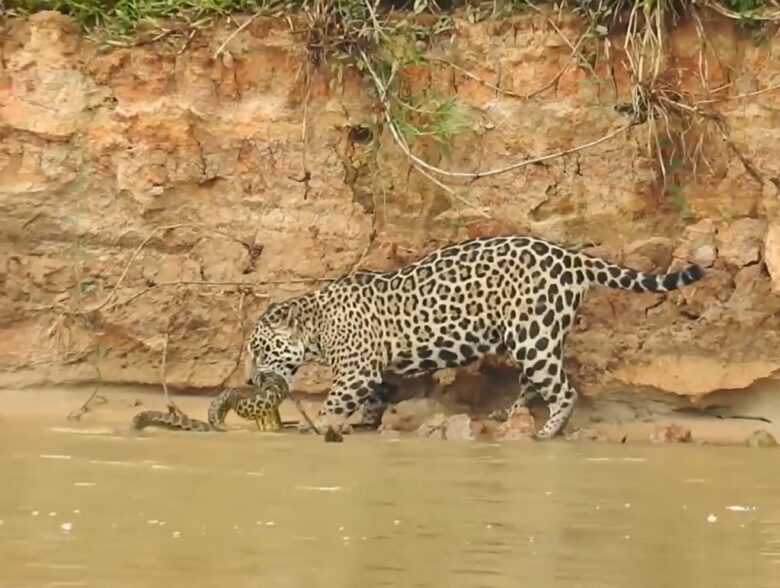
(114,407)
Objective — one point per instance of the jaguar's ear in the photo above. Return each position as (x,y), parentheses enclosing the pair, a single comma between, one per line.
(285,316)
(292,317)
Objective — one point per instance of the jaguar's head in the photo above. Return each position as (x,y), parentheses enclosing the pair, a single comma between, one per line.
(276,345)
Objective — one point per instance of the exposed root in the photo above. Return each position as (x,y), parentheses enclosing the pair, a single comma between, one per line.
(677,123)
(422,165)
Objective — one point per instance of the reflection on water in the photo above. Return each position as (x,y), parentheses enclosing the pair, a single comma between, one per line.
(290,511)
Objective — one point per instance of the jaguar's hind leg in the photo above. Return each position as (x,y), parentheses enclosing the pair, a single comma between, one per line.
(537,346)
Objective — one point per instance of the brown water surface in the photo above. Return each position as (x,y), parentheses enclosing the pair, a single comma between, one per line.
(91,508)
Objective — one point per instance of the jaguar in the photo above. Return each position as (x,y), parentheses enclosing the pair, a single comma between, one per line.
(510,295)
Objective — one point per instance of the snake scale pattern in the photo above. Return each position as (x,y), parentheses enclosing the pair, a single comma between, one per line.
(261,406)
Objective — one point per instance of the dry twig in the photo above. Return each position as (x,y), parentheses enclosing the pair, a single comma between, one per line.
(500,90)
(104,304)
(202,284)
(232,35)
(140,248)
(240,315)
(85,408)
(168,400)
(306,175)
(771,88)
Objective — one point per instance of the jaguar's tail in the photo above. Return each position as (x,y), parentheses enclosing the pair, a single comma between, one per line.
(611,275)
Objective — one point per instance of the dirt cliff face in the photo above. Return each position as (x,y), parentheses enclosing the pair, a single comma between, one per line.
(153,201)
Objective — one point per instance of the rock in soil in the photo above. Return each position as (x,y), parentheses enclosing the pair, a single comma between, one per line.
(457,427)
(432,428)
(520,425)
(578,434)
(408,415)
(761,438)
(673,433)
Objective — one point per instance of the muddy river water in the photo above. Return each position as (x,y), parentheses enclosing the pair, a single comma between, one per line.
(287,510)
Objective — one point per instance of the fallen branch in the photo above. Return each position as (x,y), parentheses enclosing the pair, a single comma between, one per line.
(743,417)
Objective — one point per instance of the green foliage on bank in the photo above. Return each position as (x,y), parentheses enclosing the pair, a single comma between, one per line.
(384,39)
(123,16)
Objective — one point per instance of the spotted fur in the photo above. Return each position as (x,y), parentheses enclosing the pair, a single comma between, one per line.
(510,295)
(262,407)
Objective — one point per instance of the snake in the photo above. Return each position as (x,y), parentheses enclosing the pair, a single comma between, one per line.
(260,405)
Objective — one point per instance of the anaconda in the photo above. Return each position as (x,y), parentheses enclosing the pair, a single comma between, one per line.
(262,406)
